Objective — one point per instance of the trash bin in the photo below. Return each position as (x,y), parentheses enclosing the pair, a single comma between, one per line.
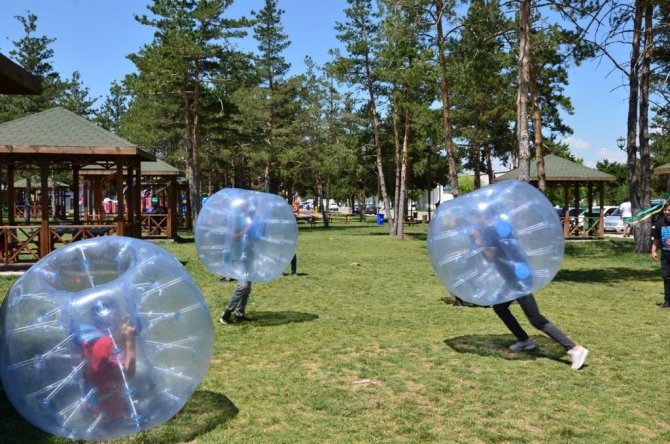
(424,218)
(380,219)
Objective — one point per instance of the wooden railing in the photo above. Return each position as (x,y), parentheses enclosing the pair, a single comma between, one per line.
(155,225)
(20,244)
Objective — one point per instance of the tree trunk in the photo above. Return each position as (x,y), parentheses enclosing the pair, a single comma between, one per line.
(489,162)
(537,129)
(400,210)
(476,171)
(192,166)
(398,165)
(643,238)
(444,97)
(522,97)
(633,98)
(378,146)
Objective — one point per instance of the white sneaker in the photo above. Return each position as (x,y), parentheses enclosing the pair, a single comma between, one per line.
(526,345)
(578,356)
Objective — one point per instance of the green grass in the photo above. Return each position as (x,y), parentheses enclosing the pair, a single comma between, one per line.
(365,346)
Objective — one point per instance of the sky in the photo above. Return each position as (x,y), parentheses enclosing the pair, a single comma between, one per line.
(95,36)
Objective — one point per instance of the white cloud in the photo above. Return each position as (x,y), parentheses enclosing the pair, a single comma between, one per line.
(613,155)
(577,144)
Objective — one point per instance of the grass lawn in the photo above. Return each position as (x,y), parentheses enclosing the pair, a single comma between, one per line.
(365,346)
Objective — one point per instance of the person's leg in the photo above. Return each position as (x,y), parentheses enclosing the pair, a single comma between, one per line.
(234,300)
(532,312)
(294,265)
(665,274)
(243,290)
(505,315)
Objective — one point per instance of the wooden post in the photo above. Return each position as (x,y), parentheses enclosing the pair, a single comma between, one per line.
(120,221)
(45,235)
(172,209)
(11,194)
(75,193)
(97,199)
(137,203)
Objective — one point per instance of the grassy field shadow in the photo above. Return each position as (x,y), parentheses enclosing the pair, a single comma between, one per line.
(274,318)
(203,412)
(497,346)
(15,429)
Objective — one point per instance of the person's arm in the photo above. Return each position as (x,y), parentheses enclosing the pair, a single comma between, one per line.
(129,336)
(654,249)
(489,252)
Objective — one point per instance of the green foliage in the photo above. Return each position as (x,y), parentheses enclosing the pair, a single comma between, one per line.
(34,54)
(480,71)
(113,108)
(615,192)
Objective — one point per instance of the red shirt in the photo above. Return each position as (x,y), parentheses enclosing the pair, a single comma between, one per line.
(104,374)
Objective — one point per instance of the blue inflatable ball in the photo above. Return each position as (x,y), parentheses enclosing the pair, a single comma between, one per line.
(246,235)
(103,338)
(497,243)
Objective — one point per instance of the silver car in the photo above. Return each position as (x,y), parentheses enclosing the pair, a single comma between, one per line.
(614,222)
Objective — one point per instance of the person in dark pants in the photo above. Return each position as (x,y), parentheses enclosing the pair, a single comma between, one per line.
(499,245)
(294,265)
(528,304)
(660,235)
(237,304)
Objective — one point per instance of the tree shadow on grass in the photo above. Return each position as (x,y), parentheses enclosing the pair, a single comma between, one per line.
(274,318)
(498,346)
(203,412)
(608,275)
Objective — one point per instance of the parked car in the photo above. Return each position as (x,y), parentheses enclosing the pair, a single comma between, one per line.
(614,222)
(370,209)
(333,206)
(608,210)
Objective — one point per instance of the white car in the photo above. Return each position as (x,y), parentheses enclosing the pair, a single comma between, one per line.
(614,222)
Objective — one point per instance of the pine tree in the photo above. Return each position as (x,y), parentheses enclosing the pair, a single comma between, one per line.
(178,68)
(271,67)
(75,97)
(34,54)
(113,108)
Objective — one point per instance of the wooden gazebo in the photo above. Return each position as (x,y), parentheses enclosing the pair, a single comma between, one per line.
(572,176)
(58,142)
(158,184)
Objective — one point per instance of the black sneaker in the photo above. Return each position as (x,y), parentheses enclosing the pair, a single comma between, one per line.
(242,318)
(224,321)
(665,305)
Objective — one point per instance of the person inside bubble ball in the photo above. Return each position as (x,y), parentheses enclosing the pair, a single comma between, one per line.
(108,348)
(660,236)
(246,229)
(494,235)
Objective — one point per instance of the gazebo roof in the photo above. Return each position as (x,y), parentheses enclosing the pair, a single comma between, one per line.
(560,170)
(23,183)
(16,80)
(157,168)
(59,131)
(662,169)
